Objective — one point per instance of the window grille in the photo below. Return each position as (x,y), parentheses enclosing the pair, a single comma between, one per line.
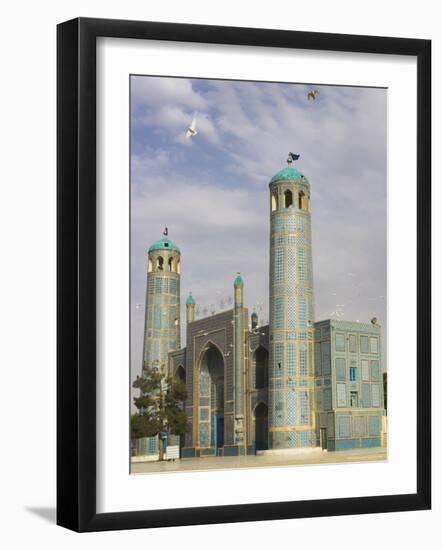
(364,344)
(340,369)
(341,395)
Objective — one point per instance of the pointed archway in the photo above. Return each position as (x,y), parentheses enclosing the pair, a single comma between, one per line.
(180,373)
(261,435)
(211,402)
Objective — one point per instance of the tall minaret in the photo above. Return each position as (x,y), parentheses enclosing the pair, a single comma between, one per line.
(238,321)
(291,371)
(162,319)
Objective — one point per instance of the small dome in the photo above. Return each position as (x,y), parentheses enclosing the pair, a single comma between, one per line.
(289,174)
(164,244)
(190,300)
(238,281)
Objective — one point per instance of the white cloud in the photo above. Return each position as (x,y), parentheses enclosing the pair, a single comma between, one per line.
(149,91)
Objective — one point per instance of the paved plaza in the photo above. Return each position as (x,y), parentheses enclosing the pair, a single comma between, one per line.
(252,461)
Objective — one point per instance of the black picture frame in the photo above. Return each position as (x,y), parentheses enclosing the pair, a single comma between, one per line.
(76,274)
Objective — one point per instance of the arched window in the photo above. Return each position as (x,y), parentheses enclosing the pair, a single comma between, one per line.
(178,267)
(302,201)
(170,264)
(288,198)
(160,263)
(274,201)
(149,265)
(180,373)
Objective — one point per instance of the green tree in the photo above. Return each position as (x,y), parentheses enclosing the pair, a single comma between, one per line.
(160,406)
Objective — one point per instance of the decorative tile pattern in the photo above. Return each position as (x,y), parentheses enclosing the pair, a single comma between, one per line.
(375,395)
(291,312)
(364,370)
(318,358)
(327,399)
(303,364)
(318,400)
(279,313)
(352,343)
(366,401)
(279,265)
(344,426)
(326,363)
(359,429)
(204,414)
(375,371)
(301,264)
(291,407)
(291,360)
(204,434)
(279,409)
(373,425)
(302,319)
(205,381)
(304,408)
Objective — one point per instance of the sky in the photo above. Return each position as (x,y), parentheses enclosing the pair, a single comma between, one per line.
(212,193)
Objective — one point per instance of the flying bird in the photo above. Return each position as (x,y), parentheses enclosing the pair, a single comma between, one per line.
(312,94)
(191,130)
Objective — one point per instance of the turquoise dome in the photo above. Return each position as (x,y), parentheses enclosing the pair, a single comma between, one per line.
(190,300)
(238,281)
(164,244)
(288,174)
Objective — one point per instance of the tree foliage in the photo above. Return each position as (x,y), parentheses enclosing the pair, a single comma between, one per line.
(159,404)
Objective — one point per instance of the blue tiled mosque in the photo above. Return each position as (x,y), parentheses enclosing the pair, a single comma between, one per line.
(290,385)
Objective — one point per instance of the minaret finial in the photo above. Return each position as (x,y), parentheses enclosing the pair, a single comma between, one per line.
(166,231)
(291,157)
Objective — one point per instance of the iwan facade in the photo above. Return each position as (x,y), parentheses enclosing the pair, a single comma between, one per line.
(291,385)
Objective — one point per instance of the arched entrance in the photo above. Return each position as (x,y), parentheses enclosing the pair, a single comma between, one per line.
(211,406)
(261,427)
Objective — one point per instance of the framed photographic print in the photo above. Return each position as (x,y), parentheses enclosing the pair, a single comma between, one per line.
(243,274)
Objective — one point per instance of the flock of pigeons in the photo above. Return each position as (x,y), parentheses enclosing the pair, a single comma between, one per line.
(192,130)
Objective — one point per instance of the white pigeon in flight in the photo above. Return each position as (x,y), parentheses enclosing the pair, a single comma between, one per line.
(191,130)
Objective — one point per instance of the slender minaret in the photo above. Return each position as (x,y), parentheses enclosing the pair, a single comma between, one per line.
(291,421)
(238,320)
(162,319)
(190,308)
